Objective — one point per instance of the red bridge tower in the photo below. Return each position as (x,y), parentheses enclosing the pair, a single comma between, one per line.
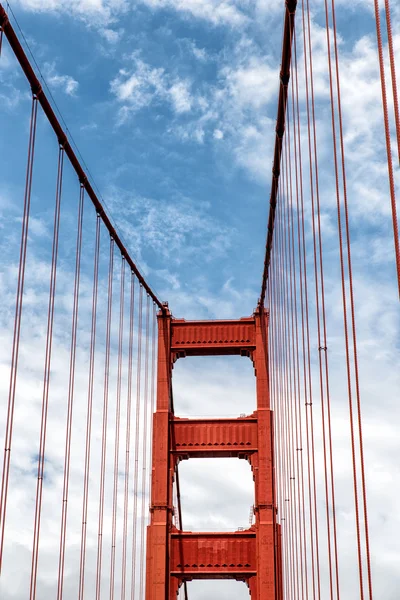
(253,555)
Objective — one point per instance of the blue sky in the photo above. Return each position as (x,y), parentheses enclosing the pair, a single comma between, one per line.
(172,104)
(166,112)
(173,112)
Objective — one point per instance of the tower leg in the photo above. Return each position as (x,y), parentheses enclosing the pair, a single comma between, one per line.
(174,585)
(253,588)
(264,472)
(157,579)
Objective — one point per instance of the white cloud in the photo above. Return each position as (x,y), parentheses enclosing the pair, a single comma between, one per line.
(236,14)
(12,96)
(54,80)
(111,35)
(89,127)
(94,12)
(217,12)
(174,227)
(180,96)
(233,109)
(250,85)
(143,85)
(254,147)
(199,53)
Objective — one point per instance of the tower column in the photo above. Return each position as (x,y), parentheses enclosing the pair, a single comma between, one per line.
(157,577)
(265,505)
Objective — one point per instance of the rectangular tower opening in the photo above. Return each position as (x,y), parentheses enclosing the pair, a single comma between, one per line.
(214,386)
(216,495)
(216,590)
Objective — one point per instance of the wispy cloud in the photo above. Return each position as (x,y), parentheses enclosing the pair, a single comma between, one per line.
(227,12)
(141,85)
(66,83)
(94,12)
(175,228)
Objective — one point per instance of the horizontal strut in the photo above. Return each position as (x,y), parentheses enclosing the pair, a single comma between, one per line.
(205,338)
(212,438)
(206,555)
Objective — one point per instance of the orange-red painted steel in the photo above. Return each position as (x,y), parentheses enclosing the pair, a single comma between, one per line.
(210,438)
(288,30)
(205,338)
(174,556)
(212,555)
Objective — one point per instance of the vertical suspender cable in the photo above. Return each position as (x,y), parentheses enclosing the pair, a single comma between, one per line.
(128,435)
(297,306)
(17,325)
(178,505)
(280,392)
(91,363)
(331,512)
(272,390)
(320,307)
(319,289)
(105,422)
(46,378)
(295,473)
(295,343)
(352,310)
(71,389)
(309,413)
(144,449)
(344,286)
(291,362)
(288,366)
(117,429)
(302,286)
(136,460)
(91,369)
(283,383)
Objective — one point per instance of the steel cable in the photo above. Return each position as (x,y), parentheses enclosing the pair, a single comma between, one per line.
(99,562)
(46,378)
(17,326)
(71,390)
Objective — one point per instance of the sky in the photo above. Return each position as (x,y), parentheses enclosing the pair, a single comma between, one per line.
(172,105)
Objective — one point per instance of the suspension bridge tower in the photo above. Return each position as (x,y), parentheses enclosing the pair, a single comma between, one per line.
(252,555)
